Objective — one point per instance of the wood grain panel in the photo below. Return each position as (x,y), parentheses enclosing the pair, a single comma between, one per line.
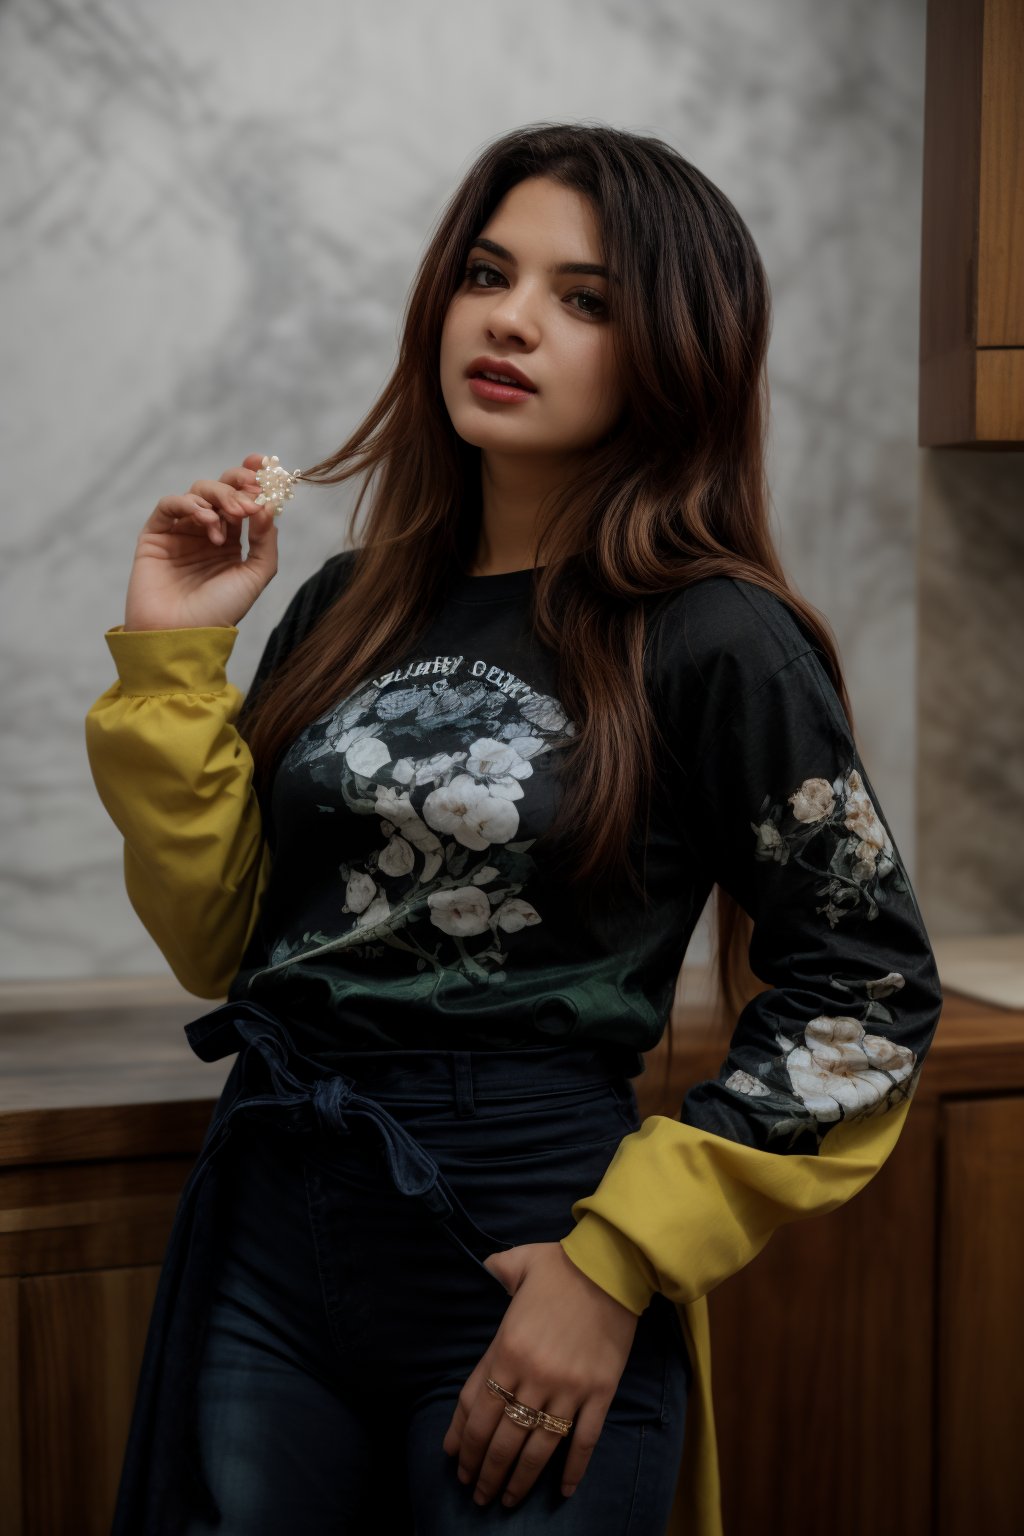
(972,227)
(999,382)
(980,1403)
(88,1215)
(949,219)
(1001,189)
(823,1362)
(82,1339)
(10,1412)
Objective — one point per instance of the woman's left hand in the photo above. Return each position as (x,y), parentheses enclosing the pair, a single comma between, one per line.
(562,1346)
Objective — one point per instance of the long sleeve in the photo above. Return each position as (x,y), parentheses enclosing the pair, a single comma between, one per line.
(175,777)
(170,762)
(823,1063)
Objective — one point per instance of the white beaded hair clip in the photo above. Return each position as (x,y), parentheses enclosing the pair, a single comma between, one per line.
(275,483)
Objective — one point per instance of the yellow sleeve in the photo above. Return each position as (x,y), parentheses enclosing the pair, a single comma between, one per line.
(823,1063)
(176,779)
(680,1209)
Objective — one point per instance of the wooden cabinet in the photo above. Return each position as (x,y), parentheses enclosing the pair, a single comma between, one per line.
(101,1118)
(80,1339)
(980,1343)
(972,228)
(867,1365)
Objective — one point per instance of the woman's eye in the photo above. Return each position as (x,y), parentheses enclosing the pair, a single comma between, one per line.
(588,293)
(594,303)
(480,266)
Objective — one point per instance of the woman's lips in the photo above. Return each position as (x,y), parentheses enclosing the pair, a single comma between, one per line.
(487,389)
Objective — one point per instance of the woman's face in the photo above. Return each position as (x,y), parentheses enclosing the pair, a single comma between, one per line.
(513,306)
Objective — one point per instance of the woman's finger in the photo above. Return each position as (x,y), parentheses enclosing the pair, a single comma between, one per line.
(583,1437)
(184,515)
(263,546)
(225,498)
(261,528)
(194,514)
(209,520)
(241,477)
(517,1455)
(475,1419)
(233,506)
(539,1447)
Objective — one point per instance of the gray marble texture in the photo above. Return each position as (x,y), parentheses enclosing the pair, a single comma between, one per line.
(212,214)
(971,695)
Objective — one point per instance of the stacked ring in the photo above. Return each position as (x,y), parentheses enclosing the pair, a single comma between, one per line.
(529,1418)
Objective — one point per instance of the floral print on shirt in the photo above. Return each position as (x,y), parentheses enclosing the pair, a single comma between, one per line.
(836,1068)
(862,867)
(450,868)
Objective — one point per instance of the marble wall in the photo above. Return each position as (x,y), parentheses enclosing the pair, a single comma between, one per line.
(971,695)
(212,216)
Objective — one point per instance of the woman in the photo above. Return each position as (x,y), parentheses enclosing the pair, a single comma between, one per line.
(445,861)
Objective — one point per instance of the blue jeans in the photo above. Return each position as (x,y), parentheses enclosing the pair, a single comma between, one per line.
(345,1318)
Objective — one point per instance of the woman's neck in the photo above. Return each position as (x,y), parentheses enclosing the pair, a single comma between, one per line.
(512,488)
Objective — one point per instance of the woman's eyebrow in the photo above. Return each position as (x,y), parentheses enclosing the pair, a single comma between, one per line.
(594,268)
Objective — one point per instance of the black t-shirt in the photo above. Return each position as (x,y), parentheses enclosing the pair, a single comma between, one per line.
(405,906)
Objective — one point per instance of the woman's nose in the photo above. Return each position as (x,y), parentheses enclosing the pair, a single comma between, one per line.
(512,316)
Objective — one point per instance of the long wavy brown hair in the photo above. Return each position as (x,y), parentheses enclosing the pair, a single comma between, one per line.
(674,493)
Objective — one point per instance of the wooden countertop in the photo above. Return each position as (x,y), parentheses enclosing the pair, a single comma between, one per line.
(89,1082)
(116,1081)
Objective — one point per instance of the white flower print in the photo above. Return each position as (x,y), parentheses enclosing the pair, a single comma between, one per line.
(501,764)
(359,891)
(841,1070)
(397,857)
(398,811)
(375,913)
(342,740)
(461,912)
(338,722)
(884,985)
(528,746)
(769,842)
(861,855)
(742,1082)
(451,860)
(834,1068)
(427,770)
(471,813)
(862,818)
(864,864)
(515,914)
(367,755)
(814,800)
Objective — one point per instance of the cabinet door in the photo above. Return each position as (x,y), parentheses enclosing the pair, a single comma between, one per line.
(980,1407)
(10,1413)
(81,1342)
(822,1353)
(972,227)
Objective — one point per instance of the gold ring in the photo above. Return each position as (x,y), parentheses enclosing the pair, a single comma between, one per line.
(528,1418)
(552,1422)
(520,1414)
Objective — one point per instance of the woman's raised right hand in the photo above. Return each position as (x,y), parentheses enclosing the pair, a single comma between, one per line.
(188,570)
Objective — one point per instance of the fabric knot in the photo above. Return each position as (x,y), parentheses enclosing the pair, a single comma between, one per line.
(330,1095)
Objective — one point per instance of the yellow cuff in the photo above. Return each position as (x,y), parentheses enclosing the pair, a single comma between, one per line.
(611,1261)
(192,660)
